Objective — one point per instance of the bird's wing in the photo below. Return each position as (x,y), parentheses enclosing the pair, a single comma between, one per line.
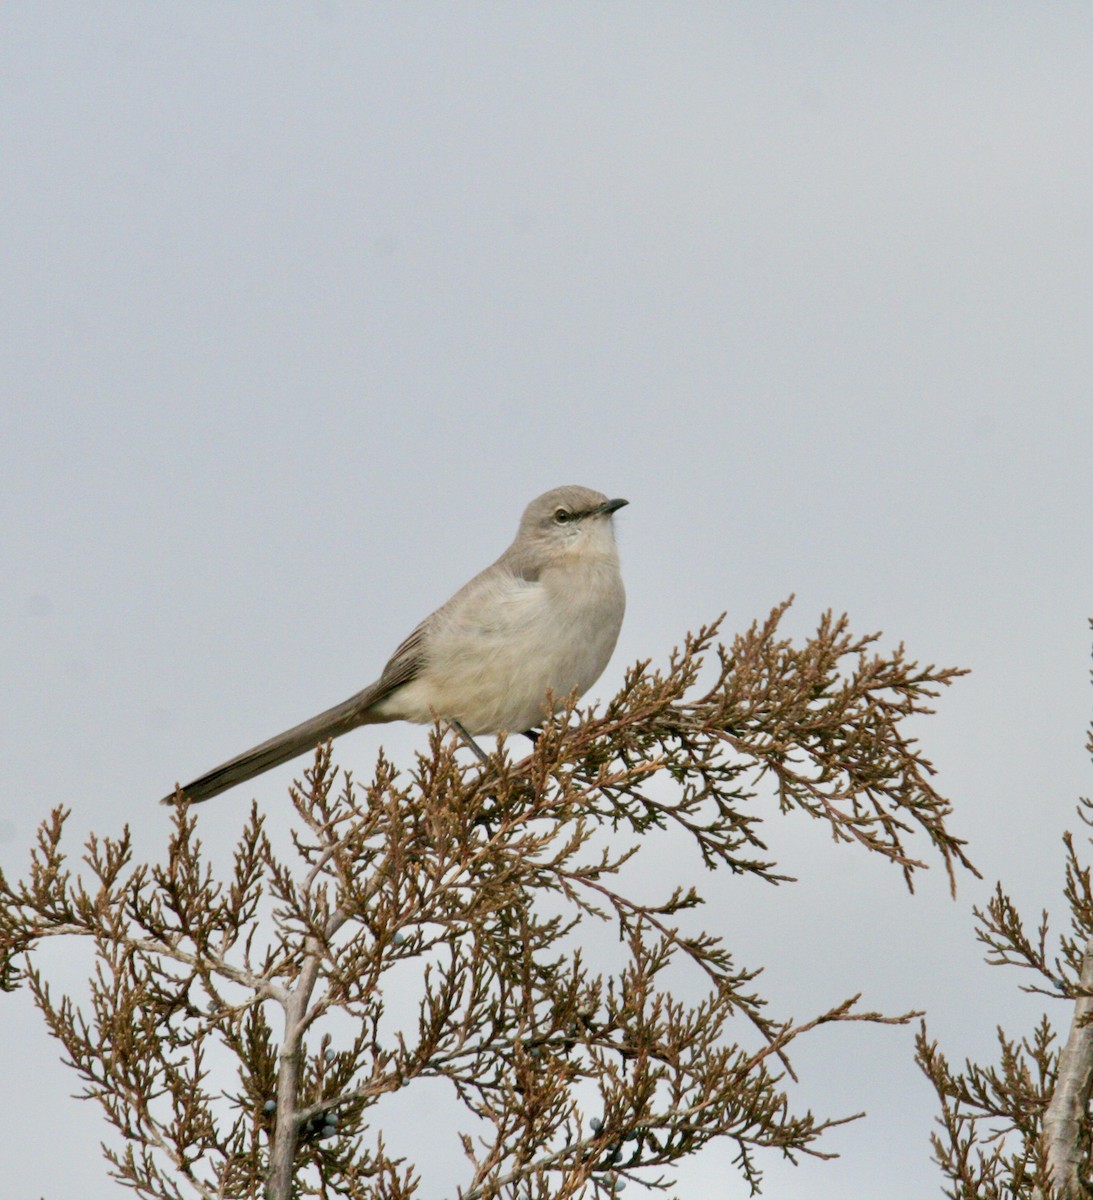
(405,664)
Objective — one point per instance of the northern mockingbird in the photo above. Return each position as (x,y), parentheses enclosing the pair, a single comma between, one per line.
(543,618)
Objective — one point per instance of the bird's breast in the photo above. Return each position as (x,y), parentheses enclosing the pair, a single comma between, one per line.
(492,659)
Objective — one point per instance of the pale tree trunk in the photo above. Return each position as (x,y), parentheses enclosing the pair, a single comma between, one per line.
(286,1129)
(1064,1140)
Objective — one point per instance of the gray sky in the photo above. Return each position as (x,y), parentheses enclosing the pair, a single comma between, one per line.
(301,304)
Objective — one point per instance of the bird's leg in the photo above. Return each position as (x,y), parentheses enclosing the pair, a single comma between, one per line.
(483,818)
(468,739)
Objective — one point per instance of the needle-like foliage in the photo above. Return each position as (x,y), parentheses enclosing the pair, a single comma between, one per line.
(1021,1130)
(487,886)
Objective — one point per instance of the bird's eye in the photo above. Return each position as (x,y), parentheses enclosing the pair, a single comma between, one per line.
(562,516)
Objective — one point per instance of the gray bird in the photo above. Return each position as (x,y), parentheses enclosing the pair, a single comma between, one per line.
(543,618)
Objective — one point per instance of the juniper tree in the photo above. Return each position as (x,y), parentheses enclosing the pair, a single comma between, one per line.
(485,883)
(1021,1129)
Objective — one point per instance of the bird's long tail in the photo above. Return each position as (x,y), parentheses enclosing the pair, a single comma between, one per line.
(297,740)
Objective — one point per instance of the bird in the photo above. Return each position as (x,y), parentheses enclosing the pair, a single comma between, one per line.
(505,652)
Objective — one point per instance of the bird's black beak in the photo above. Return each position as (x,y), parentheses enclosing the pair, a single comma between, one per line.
(611,506)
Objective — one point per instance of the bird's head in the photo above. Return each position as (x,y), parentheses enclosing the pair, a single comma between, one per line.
(568,521)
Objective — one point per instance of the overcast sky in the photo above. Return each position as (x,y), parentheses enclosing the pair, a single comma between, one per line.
(301,304)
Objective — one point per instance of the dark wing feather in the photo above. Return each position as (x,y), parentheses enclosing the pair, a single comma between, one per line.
(405,664)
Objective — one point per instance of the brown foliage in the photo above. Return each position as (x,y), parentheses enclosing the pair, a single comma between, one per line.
(486,881)
(1021,1130)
